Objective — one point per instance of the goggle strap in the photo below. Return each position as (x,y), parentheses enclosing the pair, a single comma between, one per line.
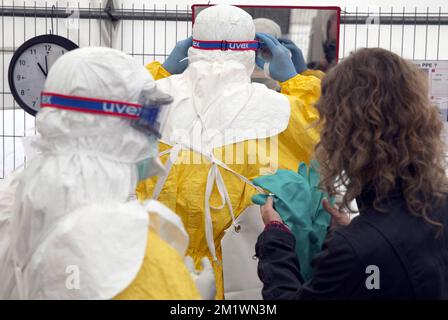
(225,45)
(90,105)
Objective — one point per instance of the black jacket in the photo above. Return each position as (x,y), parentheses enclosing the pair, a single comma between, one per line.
(412,263)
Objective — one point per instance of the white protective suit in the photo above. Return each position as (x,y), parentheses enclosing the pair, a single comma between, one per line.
(68,229)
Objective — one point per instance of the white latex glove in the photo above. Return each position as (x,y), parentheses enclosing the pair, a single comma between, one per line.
(205,279)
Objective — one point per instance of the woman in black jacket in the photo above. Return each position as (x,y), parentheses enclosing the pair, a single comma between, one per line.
(381,140)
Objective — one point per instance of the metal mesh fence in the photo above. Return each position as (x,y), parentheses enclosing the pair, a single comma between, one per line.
(149,32)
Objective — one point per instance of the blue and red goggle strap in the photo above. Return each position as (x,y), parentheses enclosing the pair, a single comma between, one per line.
(225,45)
(90,105)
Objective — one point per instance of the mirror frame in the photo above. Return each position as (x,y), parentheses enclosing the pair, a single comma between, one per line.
(337,9)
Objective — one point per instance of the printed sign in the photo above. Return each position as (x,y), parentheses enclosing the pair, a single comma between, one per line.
(437,73)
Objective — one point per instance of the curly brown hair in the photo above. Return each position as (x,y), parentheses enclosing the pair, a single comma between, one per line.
(379,128)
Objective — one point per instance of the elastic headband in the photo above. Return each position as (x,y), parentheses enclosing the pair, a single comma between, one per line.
(225,45)
(89,105)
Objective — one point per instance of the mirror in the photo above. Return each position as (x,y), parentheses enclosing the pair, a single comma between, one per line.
(315,30)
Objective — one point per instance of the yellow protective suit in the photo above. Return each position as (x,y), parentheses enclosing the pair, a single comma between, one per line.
(163,275)
(184,189)
(317,73)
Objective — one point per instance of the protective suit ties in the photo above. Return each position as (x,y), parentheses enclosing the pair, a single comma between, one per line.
(214,177)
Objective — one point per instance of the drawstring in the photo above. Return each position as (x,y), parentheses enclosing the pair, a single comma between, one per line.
(173,155)
(19,281)
(19,276)
(208,217)
(214,177)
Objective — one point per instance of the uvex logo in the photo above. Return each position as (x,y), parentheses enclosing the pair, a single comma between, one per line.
(46,99)
(238,45)
(196,44)
(121,108)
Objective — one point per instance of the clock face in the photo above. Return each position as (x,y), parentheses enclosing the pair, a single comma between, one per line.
(29,68)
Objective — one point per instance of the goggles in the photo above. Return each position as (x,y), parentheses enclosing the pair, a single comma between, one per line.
(225,45)
(146,116)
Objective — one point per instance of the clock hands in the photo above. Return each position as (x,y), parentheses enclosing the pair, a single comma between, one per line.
(45,72)
(42,69)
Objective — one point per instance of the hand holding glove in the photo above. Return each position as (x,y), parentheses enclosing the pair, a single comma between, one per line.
(298,201)
(281,66)
(176,62)
(205,279)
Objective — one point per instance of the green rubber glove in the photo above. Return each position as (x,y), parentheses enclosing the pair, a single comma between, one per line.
(298,200)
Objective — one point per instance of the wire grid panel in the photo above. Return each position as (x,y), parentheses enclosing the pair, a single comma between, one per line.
(149,32)
(147,38)
(412,35)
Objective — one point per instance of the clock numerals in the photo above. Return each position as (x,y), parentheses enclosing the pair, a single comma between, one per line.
(33,51)
(47,48)
(22,62)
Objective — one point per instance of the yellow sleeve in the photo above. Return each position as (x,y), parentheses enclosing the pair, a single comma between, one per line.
(305,88)
(157,70)
(297,142)
(162,276)
(316,73)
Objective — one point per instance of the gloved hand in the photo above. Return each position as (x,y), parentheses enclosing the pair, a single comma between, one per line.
(176,62)
(281,67)
(296,54)
(205,279)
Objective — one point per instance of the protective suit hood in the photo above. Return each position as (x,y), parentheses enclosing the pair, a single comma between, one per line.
(268,26)
(108,136)
(223,22)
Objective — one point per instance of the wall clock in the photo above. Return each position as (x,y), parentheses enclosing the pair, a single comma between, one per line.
(30,65)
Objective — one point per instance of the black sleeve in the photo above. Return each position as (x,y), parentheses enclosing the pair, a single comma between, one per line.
(338,272)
